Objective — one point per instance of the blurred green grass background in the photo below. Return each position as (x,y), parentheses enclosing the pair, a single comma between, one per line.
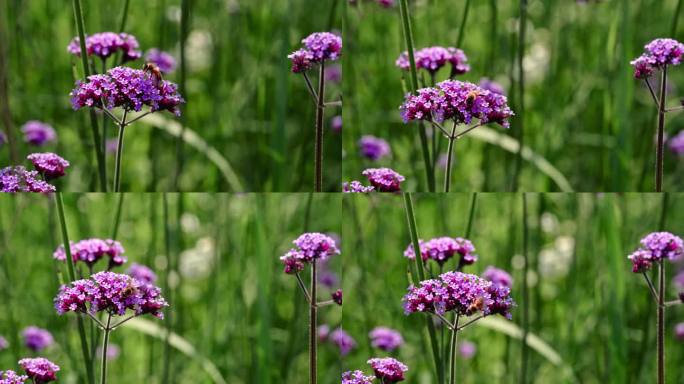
(241,97)
(584,301)
(229,297)
(584,112)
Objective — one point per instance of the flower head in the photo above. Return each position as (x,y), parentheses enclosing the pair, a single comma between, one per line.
(302,60)
(105,44)
(318,47)
(441,249)
(333,73)
(343,341)
(90,251)
(388,369)
(655,247)
(142,273)
(37,339)
(38,133)
(432,59)
(386,339)
(52,166)
(355,186)
(643,67)
(384,179)
(11,377)
(18,179)
(163,60)
(336,124)
(373,148)
(492,86)
(657,54)
(497,276)
(676,143)
(356,377)
(466,349)
(308,247)
(337,297)
(39,369)
(679,331)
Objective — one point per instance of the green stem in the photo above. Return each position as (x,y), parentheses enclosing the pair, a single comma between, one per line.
(675,19)
(461,29)
(471,215)
(450,150)
(521,93)
(312,326)
(318,145)
(105,344)
(660,147)
(525,294)
(452,353)
(408,36)
(124,16)
(117,216)
(184,25)
(167,249)
(413,230)
(119,154)
(661,323)
(72,277)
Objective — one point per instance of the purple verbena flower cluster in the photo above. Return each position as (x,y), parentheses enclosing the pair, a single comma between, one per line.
(386,339)
(50,165)
(340,338)
(337,297)
(384,179)
(356,377)
(497,276)
(655,247)
(38,133)
(90,251)
(441,249)
(163,60)
(318,47)
(432,59)
(105,44)
(355,186)
(127,88)
(463,293)
(658,54)
(110,292)
(308,247)
(19,179)
(458,101)
(142,273)
(11,377)
(492,86)
(388,369)
(39,369)
(373,148)
(37,339)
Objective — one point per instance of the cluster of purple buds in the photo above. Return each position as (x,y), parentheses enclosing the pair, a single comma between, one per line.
(308,247)
(356,377)
(458,101)
(90,251)
(463,293)
(105,44)
(373,148)
(655,247)
(492,86)
(318,47)
(339,337)
(163,60)
(497,276)
(432,59)
(380,179)
(387,369)
(676,143)
(37,339)
(441,249)
(355,186)
(39,369)
(658,54)
(110,292)
(48,164)
(142,273)
(19,179)
(38,133)
(127,88)
(11,377)
(386,339)
(337,297)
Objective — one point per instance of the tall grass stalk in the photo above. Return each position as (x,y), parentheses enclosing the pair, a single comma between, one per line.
(90,374)
(520,110)
(464,20)
(320,110)
(525,294)
(184,28)
(117,216)
(660,146)
(413,83)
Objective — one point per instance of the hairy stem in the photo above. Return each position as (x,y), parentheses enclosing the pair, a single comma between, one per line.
(452,353)
(661,324)
(312,326)
(119,154)
(105,344)
(661,133)
(318,146)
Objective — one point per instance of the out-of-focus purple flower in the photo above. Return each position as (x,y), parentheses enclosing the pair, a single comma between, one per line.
(658,54)
(163,60)
(373,148)
(127,88)
(678,280)
(308,247)
(384,179)
(466,350)
(386,3)
(676,143)
(323,332)
(11,377)
(105,44)
(37,339)
(336,124)
(388,369)
(40,369)
(38,133)
(333,73)
(111,145)
(460,292)
(679,331)
(337,297)
(458,101)
(432,59)
(50,165)
(18,179)
(110,292)
(443,159)
(113,352)
(90,251)
(356,377)
(142,273)
(3,343)
(497,276)
(3,138)
(491,86)
(355,186)
(655,247)
(386,339)
(343,341)
(441,249)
